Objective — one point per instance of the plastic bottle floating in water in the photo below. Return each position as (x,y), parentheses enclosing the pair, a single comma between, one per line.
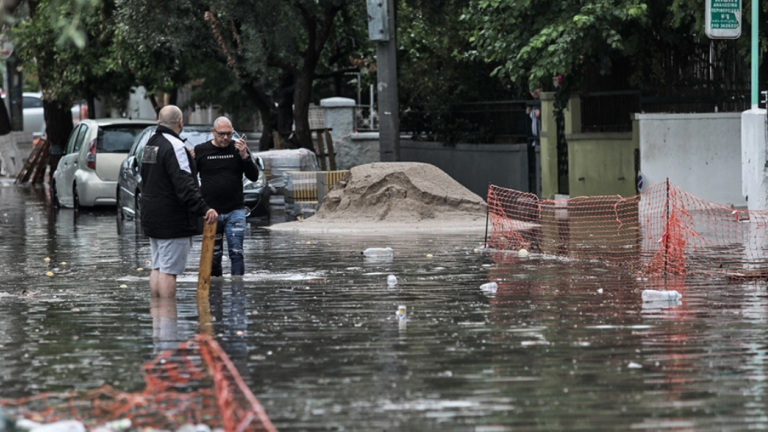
(654,295)
(378,252)
(401,314)
(489,287)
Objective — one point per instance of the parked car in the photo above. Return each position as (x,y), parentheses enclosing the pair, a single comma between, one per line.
(256,193)
(32,104)
(88,169)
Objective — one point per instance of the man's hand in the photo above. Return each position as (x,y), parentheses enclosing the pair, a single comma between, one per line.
(242,147)
(211,216)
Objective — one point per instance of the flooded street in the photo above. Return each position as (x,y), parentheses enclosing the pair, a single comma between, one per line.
(312,328)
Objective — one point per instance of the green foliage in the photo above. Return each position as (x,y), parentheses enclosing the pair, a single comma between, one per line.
(532,42)
(71,62)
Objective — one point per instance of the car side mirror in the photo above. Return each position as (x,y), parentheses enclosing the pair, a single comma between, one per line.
(134,164)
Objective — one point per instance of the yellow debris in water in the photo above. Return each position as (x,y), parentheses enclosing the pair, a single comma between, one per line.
(309,242)
(63,263)
(240,332)
(522,253)
(47,259)
(476,250)
(139,269)
(429,255)
(49,274)
(123,286)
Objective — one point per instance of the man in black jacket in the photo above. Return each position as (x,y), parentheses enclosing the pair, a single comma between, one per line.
(170,202)
(222,163)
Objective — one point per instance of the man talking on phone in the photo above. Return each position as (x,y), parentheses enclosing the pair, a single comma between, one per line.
(221,163)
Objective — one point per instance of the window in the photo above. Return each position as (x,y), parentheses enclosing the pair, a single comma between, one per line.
(72,139)
(117,138)
(32,102)
(142,144)
(81,137)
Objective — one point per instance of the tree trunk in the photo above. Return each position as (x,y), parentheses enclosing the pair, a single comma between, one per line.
(58,127)
(5,120)
(155,105)
(267,110)
(58,122)
(91,106)
(301,98)
(285,104)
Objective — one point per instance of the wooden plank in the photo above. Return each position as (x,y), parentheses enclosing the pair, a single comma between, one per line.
(321,149)
(278,144)
(331,151)
(204,315)
(26,171)
(42,163)
(206,262)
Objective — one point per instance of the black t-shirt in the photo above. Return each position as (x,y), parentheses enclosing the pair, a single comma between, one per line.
(221,175)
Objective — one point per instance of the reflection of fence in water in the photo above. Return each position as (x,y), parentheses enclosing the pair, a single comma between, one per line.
(194,383)
(662,231)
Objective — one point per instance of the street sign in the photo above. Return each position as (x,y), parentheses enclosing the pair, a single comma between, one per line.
(723,19)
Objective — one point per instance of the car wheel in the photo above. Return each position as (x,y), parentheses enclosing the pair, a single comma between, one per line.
(75,198)
(120,211)
(54,196)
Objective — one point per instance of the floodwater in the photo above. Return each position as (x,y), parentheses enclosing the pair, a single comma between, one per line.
(313,330)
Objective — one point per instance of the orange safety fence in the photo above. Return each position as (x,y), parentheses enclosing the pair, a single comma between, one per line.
(194,383)
(664,230)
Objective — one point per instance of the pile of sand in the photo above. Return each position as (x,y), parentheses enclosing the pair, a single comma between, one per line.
(402,196)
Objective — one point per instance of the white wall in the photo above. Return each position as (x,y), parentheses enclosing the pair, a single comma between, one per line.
(753,158)
(700,153)
(139,106)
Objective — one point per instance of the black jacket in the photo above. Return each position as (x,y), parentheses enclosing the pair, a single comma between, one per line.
(170,196)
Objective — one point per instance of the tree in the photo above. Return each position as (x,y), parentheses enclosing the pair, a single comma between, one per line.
(532,41)
(438,71)
(290,35)
(165,44)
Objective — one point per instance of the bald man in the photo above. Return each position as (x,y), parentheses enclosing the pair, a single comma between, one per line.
(170,202)
(222,163)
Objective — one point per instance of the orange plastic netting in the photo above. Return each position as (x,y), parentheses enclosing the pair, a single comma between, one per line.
(662,231)
(194,383)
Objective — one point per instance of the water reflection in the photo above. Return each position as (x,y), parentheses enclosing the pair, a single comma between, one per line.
(563,345)
(165,326)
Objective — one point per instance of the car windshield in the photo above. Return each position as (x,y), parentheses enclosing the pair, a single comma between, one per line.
(117,138)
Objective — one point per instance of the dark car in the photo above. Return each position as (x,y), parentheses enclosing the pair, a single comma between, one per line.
(256,193)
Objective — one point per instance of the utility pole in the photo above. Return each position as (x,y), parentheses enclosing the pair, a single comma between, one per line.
(382,28)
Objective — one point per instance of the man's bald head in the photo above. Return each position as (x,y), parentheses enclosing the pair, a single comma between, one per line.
(222,132)
(221,122)
(170,117)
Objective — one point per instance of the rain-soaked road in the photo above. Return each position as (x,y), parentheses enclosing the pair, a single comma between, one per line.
(312,328)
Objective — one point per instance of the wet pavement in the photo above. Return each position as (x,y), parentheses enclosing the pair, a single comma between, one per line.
(312,329)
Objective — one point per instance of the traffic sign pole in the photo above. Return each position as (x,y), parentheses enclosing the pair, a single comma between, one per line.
(755,25)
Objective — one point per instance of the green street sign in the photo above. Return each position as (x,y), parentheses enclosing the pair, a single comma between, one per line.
(723,19)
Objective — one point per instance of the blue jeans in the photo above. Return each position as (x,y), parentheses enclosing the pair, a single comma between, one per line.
(231,225)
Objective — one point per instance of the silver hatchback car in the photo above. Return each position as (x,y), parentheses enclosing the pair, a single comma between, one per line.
(88,170)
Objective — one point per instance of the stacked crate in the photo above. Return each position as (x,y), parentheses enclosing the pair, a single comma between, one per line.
(304,191)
